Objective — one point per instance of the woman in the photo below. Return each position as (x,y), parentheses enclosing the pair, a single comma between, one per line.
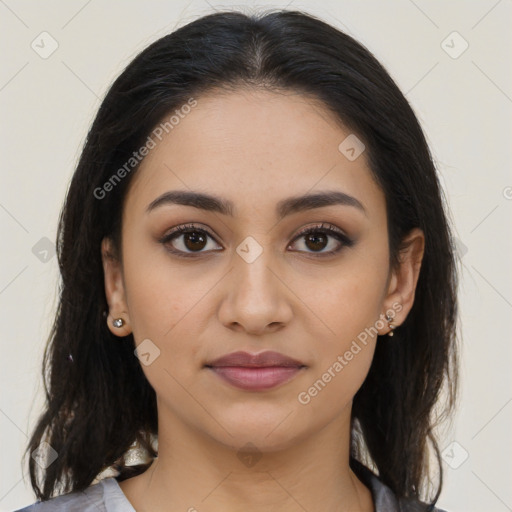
(257,268)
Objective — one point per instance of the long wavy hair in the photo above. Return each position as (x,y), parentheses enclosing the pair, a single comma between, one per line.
(98,401)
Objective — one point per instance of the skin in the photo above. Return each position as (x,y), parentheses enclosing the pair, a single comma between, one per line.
(254,148)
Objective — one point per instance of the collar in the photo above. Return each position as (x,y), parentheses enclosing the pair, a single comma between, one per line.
(384,498)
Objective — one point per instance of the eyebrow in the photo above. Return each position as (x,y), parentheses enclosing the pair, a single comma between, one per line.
(284,207)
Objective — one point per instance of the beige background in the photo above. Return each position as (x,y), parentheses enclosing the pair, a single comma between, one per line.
(464,104)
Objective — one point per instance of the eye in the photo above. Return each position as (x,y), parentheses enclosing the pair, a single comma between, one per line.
(186,240)
(317,239)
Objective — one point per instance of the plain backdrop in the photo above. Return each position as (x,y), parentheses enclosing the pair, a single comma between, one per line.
(453,61)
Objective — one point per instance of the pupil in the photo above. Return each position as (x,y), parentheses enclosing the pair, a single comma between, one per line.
(194,237)
(315,239)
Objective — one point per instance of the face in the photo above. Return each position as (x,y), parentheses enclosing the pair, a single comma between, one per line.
(247,278)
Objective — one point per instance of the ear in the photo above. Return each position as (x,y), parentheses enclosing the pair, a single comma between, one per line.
(402,284)
(114,289)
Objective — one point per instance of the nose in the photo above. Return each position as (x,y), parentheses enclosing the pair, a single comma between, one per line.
(255,299)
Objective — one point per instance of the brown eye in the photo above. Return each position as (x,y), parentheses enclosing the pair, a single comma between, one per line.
(317,238)
(316,241)
(187,240)
(194,240)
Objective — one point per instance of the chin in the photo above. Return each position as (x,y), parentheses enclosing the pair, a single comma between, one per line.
(267,428)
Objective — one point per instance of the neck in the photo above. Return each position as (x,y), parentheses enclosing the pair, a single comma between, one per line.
(194,472)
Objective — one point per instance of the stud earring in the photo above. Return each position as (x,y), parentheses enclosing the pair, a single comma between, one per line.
(118,322)
(390,325)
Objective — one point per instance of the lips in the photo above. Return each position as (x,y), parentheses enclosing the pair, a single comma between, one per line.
(255,372)
(261,360)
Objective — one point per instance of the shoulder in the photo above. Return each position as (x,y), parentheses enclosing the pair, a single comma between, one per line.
(104,496)
(384,498)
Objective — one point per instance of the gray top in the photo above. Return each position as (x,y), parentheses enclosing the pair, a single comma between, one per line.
(107,496)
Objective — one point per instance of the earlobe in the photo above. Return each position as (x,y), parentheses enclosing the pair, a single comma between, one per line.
(118,320)
(402,285)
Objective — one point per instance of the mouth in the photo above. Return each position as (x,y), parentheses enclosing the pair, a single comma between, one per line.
(256,372)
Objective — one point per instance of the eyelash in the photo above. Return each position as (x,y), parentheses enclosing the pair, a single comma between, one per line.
(324,228)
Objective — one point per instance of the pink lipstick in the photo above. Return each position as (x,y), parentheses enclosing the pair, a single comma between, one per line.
(255,372)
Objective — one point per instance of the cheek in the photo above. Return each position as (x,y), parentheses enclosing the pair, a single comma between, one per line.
(332,387)
(165,306)
(350,306)
(351,301)
(351,310)
(159,293)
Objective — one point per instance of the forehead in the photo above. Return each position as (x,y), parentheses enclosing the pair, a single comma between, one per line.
(254,148)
